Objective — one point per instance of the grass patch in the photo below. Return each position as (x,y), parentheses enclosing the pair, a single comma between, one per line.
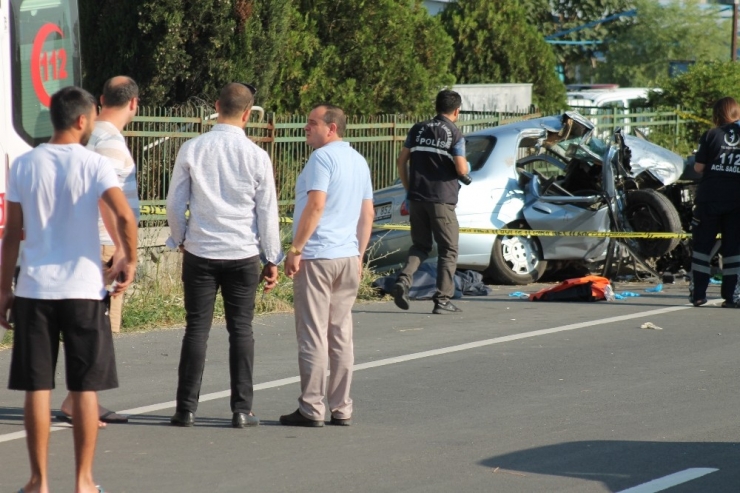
(155,300)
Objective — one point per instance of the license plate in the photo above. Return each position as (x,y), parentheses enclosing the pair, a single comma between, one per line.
(383,211)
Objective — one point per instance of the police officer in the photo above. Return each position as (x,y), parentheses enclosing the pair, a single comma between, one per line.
(717,204)
(436,152)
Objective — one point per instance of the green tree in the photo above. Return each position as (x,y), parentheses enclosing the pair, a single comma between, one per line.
(639,55)
(696,91)
(495,43)
(557,16)
(183,49)
(379,56)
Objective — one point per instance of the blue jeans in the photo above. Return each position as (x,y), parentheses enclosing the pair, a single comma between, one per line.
(238,280)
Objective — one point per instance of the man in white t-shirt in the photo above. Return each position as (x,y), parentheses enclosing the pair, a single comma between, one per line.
(52,197)
(120,102)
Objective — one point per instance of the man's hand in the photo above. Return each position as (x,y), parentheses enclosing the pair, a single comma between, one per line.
(292,264)
(6,302)
(359,267)
(108,276)
(123,273)
(270,276)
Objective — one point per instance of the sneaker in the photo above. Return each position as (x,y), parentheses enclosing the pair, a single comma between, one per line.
(400,294)
(297,419)
(441,308)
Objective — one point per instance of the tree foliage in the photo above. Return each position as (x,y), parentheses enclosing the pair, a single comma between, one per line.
(639,55)
(555,16)
(697,90)
(183,49)
(495,43)
(368,56)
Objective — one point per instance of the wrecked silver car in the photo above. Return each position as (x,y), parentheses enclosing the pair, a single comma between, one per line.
(553,174)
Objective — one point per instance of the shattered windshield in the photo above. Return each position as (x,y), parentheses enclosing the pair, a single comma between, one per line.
(575,140)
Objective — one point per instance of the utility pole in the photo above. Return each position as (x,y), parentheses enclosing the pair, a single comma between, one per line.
(734,30)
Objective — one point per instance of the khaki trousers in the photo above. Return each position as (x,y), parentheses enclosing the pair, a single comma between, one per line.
(324,291)
(116,304)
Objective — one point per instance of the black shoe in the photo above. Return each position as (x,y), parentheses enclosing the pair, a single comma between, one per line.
(730,304)
(243,420)
(440,308)
(297,419)
(182,418)
(400,294)
(700,302)
(340,422)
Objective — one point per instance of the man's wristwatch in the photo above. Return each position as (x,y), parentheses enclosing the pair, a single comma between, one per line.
(294,250)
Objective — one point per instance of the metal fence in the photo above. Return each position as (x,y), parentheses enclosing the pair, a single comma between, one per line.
(156,134)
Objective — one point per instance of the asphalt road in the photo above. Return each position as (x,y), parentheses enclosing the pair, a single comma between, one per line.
(509,396)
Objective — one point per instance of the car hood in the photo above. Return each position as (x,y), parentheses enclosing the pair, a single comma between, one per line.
(666,166)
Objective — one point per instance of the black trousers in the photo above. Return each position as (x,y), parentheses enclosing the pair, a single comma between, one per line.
(439,222)
(709,219)
(238,280)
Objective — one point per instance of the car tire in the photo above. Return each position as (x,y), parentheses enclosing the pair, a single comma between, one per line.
(516,260)
(649,211)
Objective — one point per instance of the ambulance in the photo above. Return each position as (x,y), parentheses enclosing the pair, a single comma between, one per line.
(39,54)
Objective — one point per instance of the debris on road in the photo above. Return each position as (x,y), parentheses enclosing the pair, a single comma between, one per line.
(518,294)
(650,325)
(655,289)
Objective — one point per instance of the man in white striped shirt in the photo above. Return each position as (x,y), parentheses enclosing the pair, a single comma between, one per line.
(120,101)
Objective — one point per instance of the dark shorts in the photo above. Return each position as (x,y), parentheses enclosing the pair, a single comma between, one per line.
(88,345)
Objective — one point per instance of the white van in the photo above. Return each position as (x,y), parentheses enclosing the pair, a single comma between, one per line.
(620,98)
(591,101)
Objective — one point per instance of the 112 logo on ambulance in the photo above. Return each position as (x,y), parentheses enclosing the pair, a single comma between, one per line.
(47,65)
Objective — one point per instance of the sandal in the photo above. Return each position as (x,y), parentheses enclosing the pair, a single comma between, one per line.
(113,417)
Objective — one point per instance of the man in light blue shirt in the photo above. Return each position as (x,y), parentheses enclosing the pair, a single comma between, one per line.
(332,224)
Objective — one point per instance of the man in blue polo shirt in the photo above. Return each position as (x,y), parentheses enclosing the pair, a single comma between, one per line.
(436,152)
(332,223)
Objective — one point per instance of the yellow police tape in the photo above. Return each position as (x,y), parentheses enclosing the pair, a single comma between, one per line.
(152,210)
(544,232)
(689,116)
(538,232)
(160,210)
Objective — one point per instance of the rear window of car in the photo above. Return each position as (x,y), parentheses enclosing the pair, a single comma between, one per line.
(477,150)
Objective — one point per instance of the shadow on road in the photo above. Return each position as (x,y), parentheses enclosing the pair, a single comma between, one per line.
(623,464)
(11,414)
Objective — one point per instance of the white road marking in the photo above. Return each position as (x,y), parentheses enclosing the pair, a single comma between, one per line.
(398,359)
(671,480)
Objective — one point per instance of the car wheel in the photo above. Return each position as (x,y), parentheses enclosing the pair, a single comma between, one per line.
(516,259)
(649,211)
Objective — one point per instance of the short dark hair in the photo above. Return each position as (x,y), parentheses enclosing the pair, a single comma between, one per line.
(119,94)
(334,114)
(724,111)
(447,102)
(235,98)
(68,104)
